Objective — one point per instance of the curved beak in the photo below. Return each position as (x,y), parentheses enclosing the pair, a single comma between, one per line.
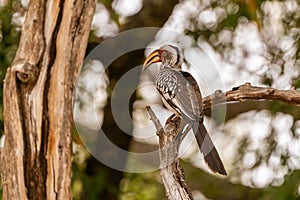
(154,57)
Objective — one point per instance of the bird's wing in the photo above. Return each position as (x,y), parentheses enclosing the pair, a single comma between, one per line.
(181,92)
(188,96)
(197,97)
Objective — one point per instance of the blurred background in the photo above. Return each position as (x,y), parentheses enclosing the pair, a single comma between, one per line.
(231,42)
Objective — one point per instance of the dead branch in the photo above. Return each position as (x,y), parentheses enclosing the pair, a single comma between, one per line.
(247,91)
(172,174)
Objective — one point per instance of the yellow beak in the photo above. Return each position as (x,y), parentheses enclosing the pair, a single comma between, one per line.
(154,57)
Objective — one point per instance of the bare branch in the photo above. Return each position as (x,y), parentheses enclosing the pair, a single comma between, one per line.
(247,91)
(169,139)
(172,174)
(156,122)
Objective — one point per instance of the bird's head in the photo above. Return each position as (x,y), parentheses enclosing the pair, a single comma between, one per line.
(168,55)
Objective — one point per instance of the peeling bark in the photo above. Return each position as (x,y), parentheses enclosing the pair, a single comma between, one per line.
(38,100)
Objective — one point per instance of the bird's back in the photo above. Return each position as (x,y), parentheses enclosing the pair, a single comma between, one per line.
(181,92)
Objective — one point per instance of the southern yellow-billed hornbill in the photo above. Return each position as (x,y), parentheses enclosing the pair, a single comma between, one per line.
(182,96)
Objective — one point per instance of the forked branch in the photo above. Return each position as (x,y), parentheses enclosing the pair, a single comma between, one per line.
(171,172)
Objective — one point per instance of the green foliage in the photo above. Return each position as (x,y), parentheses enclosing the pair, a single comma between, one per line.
(141,186)
(288,190)
(0,190)
(234,11)
(9,36)
(85,186)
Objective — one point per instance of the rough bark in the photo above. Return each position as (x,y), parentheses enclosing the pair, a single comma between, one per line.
(249,92)
(172,174)
(38,99)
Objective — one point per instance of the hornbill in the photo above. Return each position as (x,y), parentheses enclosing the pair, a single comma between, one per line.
(181,94)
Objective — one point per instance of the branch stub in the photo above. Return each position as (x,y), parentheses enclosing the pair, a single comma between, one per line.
(25,71)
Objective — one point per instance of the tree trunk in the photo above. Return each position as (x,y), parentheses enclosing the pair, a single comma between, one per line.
(38,99)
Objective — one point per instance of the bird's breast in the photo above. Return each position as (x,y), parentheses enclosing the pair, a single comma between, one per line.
(166,83)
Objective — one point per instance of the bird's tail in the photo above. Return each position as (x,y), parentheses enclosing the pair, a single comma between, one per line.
(208,149)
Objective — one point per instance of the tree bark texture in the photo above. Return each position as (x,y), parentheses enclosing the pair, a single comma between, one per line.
(250,92)
(172,174)
(38,99)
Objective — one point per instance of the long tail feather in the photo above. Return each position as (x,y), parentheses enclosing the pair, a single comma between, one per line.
(208,149)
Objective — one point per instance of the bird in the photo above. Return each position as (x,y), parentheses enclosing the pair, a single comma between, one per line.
(181,94)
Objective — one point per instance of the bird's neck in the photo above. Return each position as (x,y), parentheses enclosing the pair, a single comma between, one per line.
(176,68)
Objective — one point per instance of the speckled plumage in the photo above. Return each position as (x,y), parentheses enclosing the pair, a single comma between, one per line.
(182,96)
(178,93)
